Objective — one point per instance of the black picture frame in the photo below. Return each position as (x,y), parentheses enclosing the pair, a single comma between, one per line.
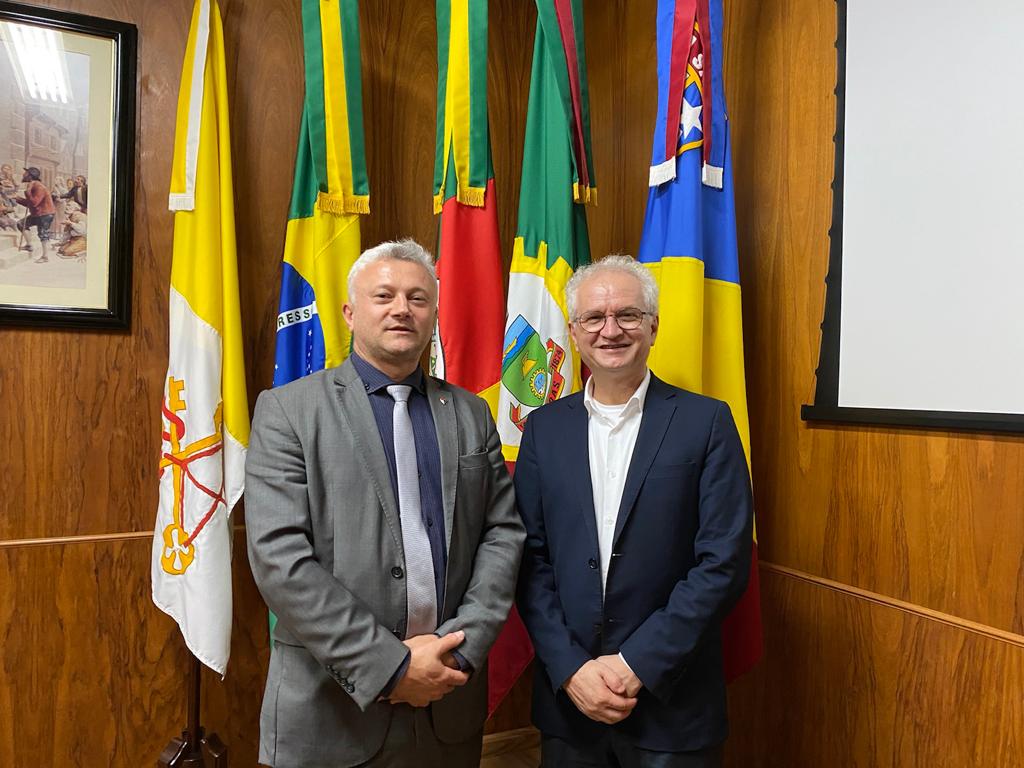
(826,408)
(116,313)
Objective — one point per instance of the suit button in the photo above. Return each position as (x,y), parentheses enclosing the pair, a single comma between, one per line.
(396,572)
(349,687)
(592,563)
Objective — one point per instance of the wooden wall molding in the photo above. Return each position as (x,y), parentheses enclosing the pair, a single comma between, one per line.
(900,605)
(102,537)
(60,540)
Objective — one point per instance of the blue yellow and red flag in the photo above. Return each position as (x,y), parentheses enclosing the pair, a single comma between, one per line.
(689,244)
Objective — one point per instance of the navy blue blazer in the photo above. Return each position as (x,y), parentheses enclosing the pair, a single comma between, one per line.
(680,561)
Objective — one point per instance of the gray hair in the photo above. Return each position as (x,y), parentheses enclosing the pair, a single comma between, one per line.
(396,250)
(615,263)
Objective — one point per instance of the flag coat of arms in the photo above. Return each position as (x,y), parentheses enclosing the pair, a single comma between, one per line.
(538,364)
(205,416)
(689,244)
(330,193)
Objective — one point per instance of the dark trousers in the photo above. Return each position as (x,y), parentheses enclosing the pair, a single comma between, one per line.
(613,751)
(411,743)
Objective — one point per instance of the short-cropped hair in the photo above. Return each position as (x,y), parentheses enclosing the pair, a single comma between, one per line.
(395,250)
(614,263)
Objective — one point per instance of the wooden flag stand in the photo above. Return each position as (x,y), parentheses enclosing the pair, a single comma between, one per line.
(193,749)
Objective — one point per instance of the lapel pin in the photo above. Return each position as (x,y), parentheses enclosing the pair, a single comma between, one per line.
(444,401)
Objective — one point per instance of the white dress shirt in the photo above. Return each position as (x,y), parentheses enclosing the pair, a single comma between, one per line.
(612,432)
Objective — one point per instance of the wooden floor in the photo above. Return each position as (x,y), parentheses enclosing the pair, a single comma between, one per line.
(512,749)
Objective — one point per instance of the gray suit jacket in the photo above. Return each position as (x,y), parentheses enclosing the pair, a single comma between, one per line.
(325,546)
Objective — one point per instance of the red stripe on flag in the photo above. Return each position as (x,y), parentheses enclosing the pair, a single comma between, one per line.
(563,11)
(704,21)
(471,304)
(742,635)
(511,654)
(682,34)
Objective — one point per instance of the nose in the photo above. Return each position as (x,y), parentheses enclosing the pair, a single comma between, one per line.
(400,306)
(610,329)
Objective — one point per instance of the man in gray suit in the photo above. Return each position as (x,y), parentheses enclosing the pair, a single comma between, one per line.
(383,534)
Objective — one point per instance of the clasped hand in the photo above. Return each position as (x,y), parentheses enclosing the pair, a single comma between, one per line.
(604,689)
(432,671)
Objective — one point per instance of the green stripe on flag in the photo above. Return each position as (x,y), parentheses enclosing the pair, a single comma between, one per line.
(315,121)
(354,94)
(444,30)
(479,144)
(304,189)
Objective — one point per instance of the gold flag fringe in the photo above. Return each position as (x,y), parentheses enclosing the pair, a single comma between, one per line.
(584,195)
(339,203)
(473,196)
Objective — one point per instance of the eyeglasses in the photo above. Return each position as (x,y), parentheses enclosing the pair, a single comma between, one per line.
(626,319)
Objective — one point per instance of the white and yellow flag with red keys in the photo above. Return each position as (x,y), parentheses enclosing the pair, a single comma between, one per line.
(205,414)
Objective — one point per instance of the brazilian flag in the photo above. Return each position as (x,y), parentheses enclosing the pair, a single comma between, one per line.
(330,193)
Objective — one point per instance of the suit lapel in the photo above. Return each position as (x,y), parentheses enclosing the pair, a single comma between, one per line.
(659,406)
(357,414)
(442,407)
(577,449)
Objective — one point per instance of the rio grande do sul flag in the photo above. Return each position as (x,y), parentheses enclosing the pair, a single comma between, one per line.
(466,348)
(689,244)
(205,416)
(538,363)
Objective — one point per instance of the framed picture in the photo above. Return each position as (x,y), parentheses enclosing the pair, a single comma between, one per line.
(67,146)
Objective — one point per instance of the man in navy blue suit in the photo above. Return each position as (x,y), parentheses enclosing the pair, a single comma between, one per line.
(637,504)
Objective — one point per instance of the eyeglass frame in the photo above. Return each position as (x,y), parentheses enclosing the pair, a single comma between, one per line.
(578,320)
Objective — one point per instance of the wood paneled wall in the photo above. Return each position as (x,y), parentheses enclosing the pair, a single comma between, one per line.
(892,586)
(893,559)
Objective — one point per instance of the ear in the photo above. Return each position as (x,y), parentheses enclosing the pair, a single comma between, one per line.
(573,329)
(346,311)
(654,328)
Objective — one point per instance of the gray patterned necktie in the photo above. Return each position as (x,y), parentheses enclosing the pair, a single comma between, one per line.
(421,594)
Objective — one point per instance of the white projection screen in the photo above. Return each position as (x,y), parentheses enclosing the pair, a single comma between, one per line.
(924,313)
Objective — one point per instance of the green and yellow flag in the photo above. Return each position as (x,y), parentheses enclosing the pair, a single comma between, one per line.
(330,193)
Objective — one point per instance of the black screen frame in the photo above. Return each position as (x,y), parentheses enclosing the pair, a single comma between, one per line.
(826,406)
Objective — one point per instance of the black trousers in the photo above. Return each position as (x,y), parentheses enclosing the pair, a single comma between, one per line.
(613,751)
(412,743)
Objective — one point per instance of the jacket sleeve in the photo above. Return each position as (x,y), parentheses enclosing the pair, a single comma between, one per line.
(339,630)
(491,587)
(539,604)
(659,649)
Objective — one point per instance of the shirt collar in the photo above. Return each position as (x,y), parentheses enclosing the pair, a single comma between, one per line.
(636,400)
(375,380)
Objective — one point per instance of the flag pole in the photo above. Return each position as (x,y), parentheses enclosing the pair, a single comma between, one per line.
(193,749)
